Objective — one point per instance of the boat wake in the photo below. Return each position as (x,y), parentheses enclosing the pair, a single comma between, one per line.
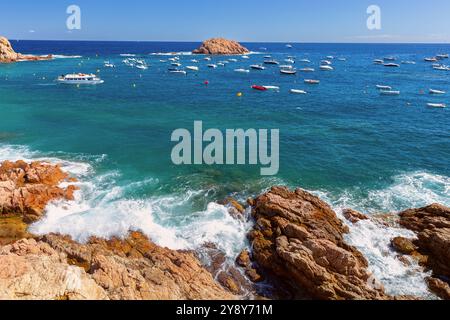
(60,56)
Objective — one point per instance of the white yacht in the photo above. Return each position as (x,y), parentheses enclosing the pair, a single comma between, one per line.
(309,81)
(257,67)
(307,70)
(382,87)
(296,91)
(437,105)
(80,78)
(289,72)
(389,93)
(326,68)
(108,64)
(432,91)
(192,68)
(242,70)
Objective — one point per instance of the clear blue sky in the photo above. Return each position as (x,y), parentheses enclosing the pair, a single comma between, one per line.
(244,20)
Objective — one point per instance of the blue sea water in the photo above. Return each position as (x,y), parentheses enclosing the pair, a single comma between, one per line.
(342,140)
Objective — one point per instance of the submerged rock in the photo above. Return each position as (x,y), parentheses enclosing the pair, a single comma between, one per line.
(8,55)
(299,239)
(354,216)
(220,46)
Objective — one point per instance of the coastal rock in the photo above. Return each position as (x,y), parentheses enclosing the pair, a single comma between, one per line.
(220,46)
(26,189)
(403,245)
(31,270)
(432,225)
(8,55)
(299,239)
(137,269)
(439,287)
(354,216)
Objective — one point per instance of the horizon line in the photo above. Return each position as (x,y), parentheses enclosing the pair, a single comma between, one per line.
(250,42)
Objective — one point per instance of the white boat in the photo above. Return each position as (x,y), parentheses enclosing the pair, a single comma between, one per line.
(296,91)
(442,56)
(194,61)
(178,72)
(273,88)
(245,57)
(286,66)
(307,70)
(432,91)
(80,78)
(108,64)
(432,59)
(408,62)
(267,57)
(192,68)
(330,57)
(242,70)
(207,59)
(389,93)
(378,61)
(326,68)
(271,62)
(289,72)
(232,60)
(392,65)
(176,64)
(212,66)
(309,81)
(442,68)
(380,87)
(257,67)
(142,66)
(292,61)
(342,59)
(289,46)
(389,58)
(305,60)
(437,105)
(326,62)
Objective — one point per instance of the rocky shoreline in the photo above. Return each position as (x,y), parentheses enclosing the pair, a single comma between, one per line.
(220,46)
(298,251)
(8,55)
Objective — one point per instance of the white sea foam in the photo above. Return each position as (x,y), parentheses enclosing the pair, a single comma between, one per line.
(60,56)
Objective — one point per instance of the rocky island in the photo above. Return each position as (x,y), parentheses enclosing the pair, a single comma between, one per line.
(298,249)
(220,46)
(8,55)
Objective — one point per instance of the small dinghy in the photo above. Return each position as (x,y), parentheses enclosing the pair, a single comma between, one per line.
(192,68)
(241,70)
(297,91)
(259,88)
(437,105)
(289,72)
(387,88)
(257,67)
(309,81)
(273,88)
(307,70)
(432,91)
(326,68)
(389,93)
(305,61)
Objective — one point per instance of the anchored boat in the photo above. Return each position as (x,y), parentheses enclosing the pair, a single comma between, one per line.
(80,78)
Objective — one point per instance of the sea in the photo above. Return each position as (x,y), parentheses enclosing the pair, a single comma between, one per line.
(342,140)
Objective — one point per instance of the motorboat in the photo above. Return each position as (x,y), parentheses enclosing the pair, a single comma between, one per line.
(192,68)
(273,88)
(273,62)
(242,70)
(432,91)
(259,88)
(220,64)
(108,64)
(442,56)
(176,64)
(408,62)
(207,59)
(442,68)
(378,61)
(232,60)
(389,58)
(305,60)
(330,57)
(381,87)
(307,70)
(176,71)
(326,62)
(267,57)
(257,67)
(142,66)
(212,66)
(292,61)
(194,61)
(245,57)
(326,68)
(296,91)
(289,46)
(432,59)
(286,66)
(80,78)
(289,72)
(389,93)
(309,81)
(392,65)
(436,105)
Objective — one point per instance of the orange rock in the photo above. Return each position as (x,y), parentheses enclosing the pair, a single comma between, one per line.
(8,55)
(220,46)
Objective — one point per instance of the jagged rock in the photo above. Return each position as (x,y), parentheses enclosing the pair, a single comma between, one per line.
(34,271)
(439,287)
(137,269)
(299,239)
(220,46)
(244,261)
(26,189)
(235,209)
(403,245)
(432,225)
(354,216)
(8,55)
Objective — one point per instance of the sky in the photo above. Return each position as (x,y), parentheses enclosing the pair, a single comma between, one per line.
(244,20)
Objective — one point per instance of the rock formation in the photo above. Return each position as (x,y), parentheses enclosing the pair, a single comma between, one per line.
(432,246)
(8,55)
(220,46)
(299,239)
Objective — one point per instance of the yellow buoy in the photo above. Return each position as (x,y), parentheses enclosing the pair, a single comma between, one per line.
(239,94)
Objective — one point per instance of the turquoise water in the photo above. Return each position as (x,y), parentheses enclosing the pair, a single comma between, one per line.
(342,140)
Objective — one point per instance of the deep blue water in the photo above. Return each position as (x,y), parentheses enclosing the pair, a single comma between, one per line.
(342,140)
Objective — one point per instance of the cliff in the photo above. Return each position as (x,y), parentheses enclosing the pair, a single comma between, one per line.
(8,55)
